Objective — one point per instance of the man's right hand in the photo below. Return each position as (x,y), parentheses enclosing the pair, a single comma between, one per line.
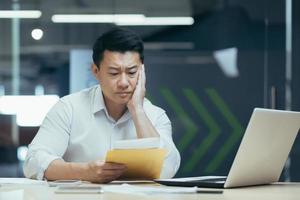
(95,171)
(102,172)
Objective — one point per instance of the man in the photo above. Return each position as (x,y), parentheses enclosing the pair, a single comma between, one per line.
(78,131)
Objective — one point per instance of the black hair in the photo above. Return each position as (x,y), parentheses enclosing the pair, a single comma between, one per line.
(119,40)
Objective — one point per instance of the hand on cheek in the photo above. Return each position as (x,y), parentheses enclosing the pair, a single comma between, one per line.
(138,95)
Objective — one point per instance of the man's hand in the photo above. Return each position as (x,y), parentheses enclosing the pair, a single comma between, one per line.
(137,99)
(143,125)
(95,171)
(102,172)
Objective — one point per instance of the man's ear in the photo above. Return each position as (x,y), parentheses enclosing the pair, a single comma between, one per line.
(95,71)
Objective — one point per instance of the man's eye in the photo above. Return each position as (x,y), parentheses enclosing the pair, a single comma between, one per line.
(113,74)
(132,73)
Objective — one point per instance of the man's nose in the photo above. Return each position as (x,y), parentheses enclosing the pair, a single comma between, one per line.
(123,82)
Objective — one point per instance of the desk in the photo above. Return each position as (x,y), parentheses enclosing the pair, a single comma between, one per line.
(282,191)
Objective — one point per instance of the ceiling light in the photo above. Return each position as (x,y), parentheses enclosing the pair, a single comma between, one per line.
(20,14)
(123,19)
(37,33)
(160,21)
(90,18)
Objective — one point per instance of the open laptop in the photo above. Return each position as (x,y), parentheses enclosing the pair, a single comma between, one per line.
(265,146)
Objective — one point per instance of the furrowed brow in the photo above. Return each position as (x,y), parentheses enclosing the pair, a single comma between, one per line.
(132,67)
(113,68)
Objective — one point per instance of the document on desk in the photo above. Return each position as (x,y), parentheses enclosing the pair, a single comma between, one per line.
(68,182)
(84,189)
(143,157)
(21,181)
(147,190)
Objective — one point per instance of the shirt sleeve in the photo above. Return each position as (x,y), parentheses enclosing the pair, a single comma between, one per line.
(172,160)
(50,142)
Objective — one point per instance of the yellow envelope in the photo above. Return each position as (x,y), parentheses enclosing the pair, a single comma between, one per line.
(141,163)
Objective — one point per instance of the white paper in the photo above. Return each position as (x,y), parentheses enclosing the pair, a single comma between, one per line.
(146,190)
(79,189)
(21,181)
(143,143)
(64,183)
(12,195)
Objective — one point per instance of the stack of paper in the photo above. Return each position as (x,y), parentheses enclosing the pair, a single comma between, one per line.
(21,181)
(143,157)
(144,143)
(147,190)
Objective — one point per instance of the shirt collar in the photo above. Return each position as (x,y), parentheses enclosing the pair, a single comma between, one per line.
(99,105)
(98,101)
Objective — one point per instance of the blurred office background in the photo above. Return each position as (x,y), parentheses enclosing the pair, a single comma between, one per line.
(208,64)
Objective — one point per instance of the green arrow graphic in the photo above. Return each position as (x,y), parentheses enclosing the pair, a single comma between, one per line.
(234,136)
(190,126)
(214,130)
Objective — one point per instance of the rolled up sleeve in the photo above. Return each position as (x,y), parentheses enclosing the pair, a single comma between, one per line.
(50,143)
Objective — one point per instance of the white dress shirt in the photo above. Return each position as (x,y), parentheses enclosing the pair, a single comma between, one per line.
(79,129)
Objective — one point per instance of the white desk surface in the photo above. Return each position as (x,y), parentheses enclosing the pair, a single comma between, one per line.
(282,191)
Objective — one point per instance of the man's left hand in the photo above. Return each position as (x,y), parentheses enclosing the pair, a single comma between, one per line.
(137,99)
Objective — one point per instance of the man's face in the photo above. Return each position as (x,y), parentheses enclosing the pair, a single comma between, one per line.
(118,75)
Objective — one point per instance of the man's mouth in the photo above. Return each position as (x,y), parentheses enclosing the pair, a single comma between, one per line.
(123,94)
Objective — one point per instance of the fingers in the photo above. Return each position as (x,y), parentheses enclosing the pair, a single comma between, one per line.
(108,176)
(108,165)
(143,77)
(113,173)
(108,179)
(103,172)
(139,81)
(113,166)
